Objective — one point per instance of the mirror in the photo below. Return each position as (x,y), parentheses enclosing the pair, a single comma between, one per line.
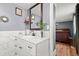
(36,14)
(4,19)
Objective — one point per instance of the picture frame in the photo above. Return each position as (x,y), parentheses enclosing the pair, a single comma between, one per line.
(18,11)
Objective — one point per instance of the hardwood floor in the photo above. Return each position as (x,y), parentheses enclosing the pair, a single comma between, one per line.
(63,49)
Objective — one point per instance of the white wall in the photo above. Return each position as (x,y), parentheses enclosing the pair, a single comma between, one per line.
(46,13)
(15,22)
(52,29)
(64,11)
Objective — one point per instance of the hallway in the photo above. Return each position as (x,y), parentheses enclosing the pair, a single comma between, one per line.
(63,49)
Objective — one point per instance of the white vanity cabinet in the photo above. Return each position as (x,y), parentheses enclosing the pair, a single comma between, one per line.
(17,47)
(3,50)
(3,46)
(23,47)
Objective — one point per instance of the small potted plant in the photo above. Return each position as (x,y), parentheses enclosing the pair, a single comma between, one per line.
(41,25)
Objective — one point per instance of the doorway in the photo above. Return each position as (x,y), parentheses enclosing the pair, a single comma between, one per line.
(64,29)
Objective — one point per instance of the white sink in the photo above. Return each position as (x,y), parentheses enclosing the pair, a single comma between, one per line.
(34,39)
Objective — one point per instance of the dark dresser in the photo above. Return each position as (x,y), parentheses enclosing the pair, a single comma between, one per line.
(62,35)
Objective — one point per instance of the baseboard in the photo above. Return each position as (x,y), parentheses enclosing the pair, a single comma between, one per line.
(53,53)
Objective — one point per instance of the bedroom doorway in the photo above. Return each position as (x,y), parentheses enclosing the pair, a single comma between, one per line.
(64,29)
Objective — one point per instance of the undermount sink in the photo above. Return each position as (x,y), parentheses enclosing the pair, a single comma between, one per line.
(28,35)
(34,39)
(31,37)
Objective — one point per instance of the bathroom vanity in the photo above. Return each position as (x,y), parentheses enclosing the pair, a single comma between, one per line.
(20,45)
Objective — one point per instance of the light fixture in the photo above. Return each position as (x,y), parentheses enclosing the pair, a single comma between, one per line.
(4,19)
(33,17)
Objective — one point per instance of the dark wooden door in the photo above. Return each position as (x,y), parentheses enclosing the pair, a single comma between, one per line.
(77,28)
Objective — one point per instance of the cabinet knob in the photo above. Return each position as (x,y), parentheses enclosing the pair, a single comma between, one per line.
(20,47)
(29,47)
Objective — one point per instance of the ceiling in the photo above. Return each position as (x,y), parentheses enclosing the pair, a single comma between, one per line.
(64,11)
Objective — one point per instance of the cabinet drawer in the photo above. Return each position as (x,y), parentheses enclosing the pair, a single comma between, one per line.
(31,48)
(22,46)
(23,53)
(13,38)
(13,53)
(3,50)
(27,47)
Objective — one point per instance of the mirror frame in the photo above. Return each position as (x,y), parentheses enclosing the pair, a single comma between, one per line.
(31,15)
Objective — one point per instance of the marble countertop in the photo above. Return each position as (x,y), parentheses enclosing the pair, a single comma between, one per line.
(34,39)
(20,35)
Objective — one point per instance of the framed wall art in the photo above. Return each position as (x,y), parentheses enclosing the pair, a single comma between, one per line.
(18,11)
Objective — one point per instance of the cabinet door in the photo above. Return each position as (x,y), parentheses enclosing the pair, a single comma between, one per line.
(26,48)
(3,46)
(31,48)
(3,50)
(12,47)
(21,49)
(16,47)
(23,53)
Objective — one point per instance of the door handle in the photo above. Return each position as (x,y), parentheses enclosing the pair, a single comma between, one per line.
(20,47)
